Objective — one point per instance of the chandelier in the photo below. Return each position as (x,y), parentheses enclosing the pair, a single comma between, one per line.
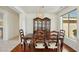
(40,12)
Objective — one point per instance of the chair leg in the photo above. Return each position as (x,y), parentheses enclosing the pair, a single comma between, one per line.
(61,45)
(21,40)
(57,47)
(56,42)
(24,46)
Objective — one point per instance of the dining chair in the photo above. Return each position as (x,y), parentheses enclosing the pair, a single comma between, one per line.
(39,40)
(21,35)
(53,42)
(26,40)
(61,38)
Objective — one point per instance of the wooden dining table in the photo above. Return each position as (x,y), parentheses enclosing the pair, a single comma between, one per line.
(31,48)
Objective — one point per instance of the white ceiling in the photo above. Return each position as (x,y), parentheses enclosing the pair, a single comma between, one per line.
(45,9)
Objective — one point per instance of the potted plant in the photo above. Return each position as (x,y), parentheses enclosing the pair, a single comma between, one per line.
(75,32)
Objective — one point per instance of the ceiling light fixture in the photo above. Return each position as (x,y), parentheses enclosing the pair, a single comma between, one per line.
(40,12)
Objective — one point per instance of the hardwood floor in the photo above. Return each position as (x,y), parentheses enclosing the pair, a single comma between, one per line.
(66,48)
(21,48)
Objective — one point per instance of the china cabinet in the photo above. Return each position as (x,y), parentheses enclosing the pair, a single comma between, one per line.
(41,24)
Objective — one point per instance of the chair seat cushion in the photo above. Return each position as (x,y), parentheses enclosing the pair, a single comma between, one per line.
(52,45)
(28,41)
(21,42)
(39,45)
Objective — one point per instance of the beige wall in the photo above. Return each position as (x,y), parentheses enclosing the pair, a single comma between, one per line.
(13,25)
(12,22)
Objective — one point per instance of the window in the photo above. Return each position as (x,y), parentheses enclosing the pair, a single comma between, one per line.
(65,24)
(69,21)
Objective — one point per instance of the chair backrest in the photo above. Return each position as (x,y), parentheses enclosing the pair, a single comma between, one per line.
(39,35)
(62,31)
(53,35)
(21,33)
(61,38)
(61,34)
(53,38)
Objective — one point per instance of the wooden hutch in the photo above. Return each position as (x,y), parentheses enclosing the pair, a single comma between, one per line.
(41,25)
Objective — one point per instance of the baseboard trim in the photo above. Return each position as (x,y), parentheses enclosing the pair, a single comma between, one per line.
(70,48)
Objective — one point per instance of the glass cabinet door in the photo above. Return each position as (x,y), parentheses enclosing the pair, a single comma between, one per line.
(43,25)
(40,24)
(35,25)
(48,25)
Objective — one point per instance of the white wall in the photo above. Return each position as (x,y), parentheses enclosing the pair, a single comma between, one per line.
(11,23)
(22,22)
(31,16)
(73,43)
(29,22)
(53,20)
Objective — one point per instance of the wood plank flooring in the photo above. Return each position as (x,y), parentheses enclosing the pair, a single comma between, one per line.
(21,48)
